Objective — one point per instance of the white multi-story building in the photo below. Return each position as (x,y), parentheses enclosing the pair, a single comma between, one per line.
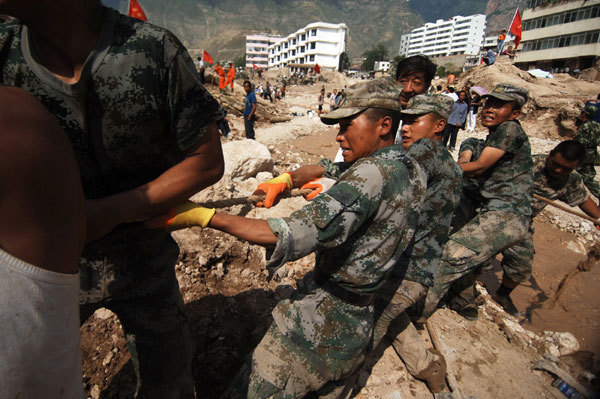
(317,43)
(383,66)
(557,34)
(257,52)
(457,35)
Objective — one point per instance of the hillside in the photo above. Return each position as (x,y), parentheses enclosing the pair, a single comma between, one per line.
(220,26)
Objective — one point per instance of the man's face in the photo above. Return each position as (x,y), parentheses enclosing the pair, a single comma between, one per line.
(461,97)
(414,83)
(247,88)
(358,137)
(558,166)
(415,127)
(496,111)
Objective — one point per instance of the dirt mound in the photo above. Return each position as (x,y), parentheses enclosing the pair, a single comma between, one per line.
(553,103)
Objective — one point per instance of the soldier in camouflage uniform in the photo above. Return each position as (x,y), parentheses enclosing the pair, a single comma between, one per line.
(588,134)
(504,173)
(553,178)
(422,127)
(145,136)
(358,228)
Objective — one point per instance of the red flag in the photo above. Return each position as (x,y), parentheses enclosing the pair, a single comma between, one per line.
(317,68)
(515,28)
(135,10)
(254,66)
(206,57)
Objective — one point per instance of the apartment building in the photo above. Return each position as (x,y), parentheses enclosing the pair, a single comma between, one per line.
(559,34)
(257,52)
(317,43)
(455,36)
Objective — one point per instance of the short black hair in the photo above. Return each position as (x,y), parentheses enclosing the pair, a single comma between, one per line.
(246,81)
(374,114)
(417,63)
(571,150)
(451,89)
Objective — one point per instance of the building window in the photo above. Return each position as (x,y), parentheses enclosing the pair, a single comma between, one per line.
(575,39)
(313,45)
(313,32)
(302,49)
(285,45)
(564,17)
(303,37)
(312,58)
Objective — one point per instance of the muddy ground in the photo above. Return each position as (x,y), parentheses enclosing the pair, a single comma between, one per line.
(229,300)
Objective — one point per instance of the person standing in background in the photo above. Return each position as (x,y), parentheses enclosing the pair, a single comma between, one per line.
(249,110)
(456,120)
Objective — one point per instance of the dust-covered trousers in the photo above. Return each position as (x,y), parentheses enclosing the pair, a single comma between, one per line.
(283,369)
(141,289)
(588,172)
(484,236)
(394,298)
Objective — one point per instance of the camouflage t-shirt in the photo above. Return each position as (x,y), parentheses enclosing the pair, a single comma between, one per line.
(136,108)
(444,182)
(358,228)
(569,189)
(508,184)
(588,134)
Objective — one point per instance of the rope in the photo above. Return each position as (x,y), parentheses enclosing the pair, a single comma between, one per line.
(252,199)
(564,208)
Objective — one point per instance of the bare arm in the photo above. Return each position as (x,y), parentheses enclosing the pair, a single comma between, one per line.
(590,208)
(304,174)
(251,114)
(255,231)
(489,156)
(202,167)
(465,156)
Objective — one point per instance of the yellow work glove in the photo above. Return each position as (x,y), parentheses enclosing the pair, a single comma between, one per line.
(318,186)
(273,189)
(184,216)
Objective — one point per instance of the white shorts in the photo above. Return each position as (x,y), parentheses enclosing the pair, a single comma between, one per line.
(39,332)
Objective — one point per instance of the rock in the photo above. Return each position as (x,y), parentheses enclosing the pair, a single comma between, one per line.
(103,314)
(108,358)
(264,176)
(394,395)
(245,158)
(95,392)
(560,343)
(577,247)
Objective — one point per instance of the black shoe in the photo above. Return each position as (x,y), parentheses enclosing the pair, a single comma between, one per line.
(470,313)
(507,304)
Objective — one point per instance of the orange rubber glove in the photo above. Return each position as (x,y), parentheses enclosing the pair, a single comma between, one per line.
(273,189)
(184,216)
(318,186)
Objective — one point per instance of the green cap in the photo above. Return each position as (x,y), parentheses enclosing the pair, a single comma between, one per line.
(377,93)
(589,111)
(507,92)
(423,104)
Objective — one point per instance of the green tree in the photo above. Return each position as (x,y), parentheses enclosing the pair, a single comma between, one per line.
(240,61)
(344,62)
(378,53)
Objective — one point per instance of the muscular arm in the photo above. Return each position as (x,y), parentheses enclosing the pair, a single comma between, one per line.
(306,173)
(255,231)
(489,156)
(202,167)
(590,208)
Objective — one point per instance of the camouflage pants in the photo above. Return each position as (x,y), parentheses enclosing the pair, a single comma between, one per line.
(475,243)
(141,289)
(281,369)
(588,172)
(395,297)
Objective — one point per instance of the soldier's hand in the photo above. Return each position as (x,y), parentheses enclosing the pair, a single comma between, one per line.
(318,186)
(273,189)
(184,216)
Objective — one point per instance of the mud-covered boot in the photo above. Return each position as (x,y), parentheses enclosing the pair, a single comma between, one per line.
(434,376)
(507,304)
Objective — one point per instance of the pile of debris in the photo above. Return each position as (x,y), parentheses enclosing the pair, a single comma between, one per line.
(553,105)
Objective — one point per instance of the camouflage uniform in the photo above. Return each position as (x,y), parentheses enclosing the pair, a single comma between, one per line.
(588,134)
(136,108)
(357,228)
(504,215)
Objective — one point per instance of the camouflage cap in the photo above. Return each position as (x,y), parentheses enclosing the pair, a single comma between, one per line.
(377,93)
(589,110)
(508,92)
(423,104)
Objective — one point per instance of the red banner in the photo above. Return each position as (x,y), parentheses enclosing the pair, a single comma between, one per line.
(254,66)
(317,68)
(206,57)
(515,28)
(135,10)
